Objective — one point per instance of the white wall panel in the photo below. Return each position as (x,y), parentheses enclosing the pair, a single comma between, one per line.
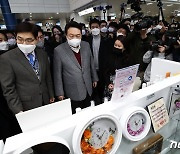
(35,1)
(36,8)
(18,1)
(39,6)
(74,4)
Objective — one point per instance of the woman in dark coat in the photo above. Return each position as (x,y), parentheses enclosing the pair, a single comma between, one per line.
(118,59)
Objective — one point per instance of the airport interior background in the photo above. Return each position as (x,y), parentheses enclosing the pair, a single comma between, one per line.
(47,13)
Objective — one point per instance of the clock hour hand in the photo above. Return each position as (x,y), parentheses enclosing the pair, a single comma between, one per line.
(102,135)
(98,136)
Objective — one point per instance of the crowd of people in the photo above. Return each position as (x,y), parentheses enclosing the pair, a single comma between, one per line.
(78,63)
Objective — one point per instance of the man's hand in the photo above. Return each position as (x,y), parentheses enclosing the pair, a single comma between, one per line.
(161,49)
(111,86)
(178,42)
(60,98)
(94,84)
(143,33)
(19,112)
(52,100)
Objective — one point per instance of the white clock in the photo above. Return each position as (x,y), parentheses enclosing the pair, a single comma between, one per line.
(135,122)
(98,134)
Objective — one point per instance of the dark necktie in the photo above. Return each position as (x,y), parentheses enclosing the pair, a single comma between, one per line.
(31,56)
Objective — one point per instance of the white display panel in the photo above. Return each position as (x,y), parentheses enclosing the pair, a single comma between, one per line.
(1,146)
(64,128)
(45,115)
(160,67)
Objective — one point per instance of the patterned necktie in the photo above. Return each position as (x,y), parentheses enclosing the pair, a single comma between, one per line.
(31,56)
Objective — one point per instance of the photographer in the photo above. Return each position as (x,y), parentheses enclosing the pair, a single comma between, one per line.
(174,38)
(159,49)
(139,42)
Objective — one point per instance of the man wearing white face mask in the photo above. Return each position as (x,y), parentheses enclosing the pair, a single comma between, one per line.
(74,72)
(103,27)
(24,72)
(99,50)
(3,43)
(11,39)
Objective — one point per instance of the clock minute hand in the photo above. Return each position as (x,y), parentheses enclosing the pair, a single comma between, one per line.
(102,135)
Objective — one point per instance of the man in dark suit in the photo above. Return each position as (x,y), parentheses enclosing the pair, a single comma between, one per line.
(99,46)
(24,72)
(74,72)
(9,125)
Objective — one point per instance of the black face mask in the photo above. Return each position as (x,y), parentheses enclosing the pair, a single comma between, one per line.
(117,51)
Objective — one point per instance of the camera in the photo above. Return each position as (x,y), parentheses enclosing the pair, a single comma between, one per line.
(172,36)
(155,45)
(144,24)
(135,4)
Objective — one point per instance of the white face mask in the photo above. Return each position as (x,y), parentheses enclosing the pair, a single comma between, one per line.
(110,29)
(95,31)
(74,44)
(40,44)
(26,48)
(11,41)
(104,30)
(83,32)
(4,45)
(118,34)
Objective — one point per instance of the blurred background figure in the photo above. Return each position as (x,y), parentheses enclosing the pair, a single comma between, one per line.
(4,46)
(103,28)
(11,39)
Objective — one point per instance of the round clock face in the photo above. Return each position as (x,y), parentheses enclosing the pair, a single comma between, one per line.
(136,124)
(99,137)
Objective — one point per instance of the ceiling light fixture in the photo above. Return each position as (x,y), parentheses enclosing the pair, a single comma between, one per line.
(87,11)
(170,5)
(149,3)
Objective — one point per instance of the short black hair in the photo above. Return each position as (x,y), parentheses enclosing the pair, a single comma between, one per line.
(72,24)
(124,27)
(82,25)
(103,21)
(27,27)
(92,21)
(39,29)
(113,24)
(4,33)
(10,32)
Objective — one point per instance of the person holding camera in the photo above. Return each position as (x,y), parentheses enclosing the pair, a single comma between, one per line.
(159,49)
(139,42)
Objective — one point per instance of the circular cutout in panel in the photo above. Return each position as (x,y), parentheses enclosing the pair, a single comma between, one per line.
(51,144)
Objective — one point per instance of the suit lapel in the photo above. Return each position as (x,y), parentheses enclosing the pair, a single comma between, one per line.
(71,55)
(83,56)
(24,61)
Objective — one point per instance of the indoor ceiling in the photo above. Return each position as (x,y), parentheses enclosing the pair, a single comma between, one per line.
(149,8)
(42,16)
